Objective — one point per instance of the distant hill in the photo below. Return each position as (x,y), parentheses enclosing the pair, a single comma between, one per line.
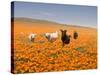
(21,19)
(43,22)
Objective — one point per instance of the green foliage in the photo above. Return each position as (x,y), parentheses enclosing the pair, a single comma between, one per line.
(54,55)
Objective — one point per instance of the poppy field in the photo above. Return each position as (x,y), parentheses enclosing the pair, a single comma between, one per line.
(45,56)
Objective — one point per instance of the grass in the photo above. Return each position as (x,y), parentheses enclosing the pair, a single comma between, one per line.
(80,49)
(54,55)
(22,59)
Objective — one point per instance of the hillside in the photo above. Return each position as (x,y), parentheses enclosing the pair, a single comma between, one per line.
(41,26)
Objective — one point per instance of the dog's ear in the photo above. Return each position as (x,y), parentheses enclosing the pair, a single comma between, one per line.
(65,30)
(61,30)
